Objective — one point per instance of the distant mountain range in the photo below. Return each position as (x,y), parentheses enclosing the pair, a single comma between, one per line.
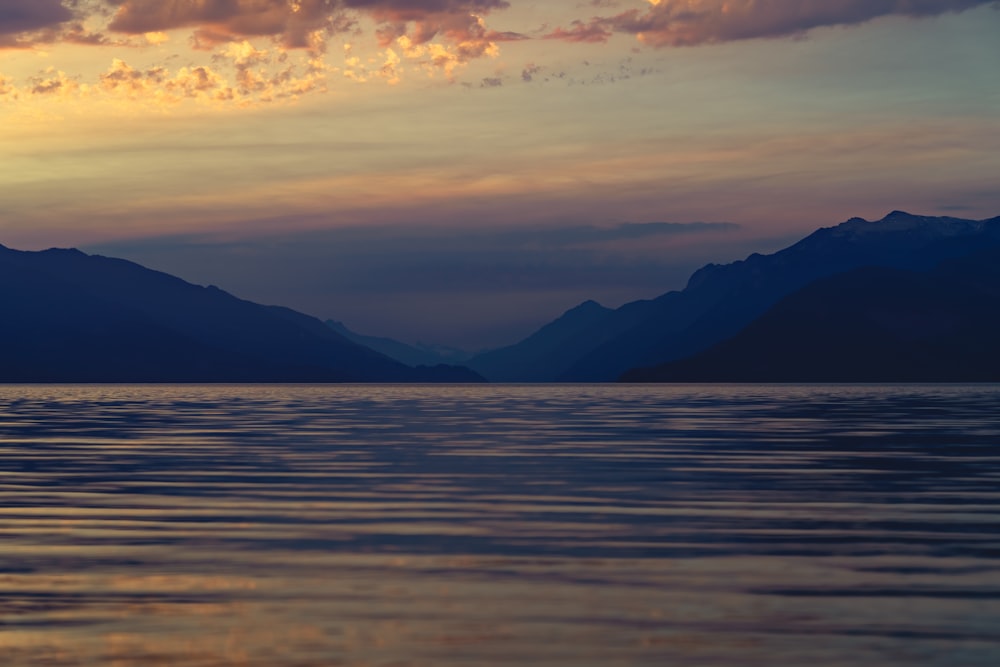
(905,298)
(411,355)
(550,351)
(592,343)
(72,317)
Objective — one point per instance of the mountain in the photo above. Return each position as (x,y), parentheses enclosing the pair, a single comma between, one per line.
(72,317)
(867,325)
(411,355)
(720,300)
(549,351)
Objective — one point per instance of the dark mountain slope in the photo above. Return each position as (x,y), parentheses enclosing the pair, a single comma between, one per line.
(75,317)
(720,300)
(549,351)
(866,325)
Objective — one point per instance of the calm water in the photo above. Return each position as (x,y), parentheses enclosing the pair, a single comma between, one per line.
(569,526)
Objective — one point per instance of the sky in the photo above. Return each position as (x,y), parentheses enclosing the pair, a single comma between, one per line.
(462,171)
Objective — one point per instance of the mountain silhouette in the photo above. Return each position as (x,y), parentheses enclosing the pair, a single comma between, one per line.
(867,325)
(73,317)
(548,352)
(720,300)
(411,355)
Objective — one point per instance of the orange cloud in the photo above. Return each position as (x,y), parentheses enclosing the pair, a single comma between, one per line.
(465,38)
(255,80)
(7,88)
(163,86)
(423,36)
(294,23)
(54,82)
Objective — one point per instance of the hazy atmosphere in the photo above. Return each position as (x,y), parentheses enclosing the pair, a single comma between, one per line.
(461,171)
(465,333)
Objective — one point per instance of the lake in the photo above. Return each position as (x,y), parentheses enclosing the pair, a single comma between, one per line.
(575,526)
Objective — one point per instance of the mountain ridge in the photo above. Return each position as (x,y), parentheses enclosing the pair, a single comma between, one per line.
(872,324)
(557,340)
(720,299)
(89,318)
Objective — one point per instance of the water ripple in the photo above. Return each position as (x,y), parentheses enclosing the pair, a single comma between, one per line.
(556,525)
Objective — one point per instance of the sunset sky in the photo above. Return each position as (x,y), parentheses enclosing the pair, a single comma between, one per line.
(462,171)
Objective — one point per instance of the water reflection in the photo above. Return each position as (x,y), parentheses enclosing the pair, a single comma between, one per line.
(566,525)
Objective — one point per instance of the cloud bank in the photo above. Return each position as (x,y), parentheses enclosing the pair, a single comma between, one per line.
(297,23)
(25,21)
(692,22)
(384,40)
(426,37)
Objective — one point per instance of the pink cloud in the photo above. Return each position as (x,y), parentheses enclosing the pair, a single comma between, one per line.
(294,22)
(593,32)
(691,22)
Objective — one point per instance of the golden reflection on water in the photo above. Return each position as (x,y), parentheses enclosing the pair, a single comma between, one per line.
(568,525)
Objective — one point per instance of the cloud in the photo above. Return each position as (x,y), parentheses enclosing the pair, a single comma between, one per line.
(530,71)
(465,38)
(431,35)
(165,86)
(7,87)
(21,16)
(428,37)
(293,23)
(641,230)
(296,23)
(595,32)
(248,76)
(53,82)
(256,79)
(24,22)
(692,22)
